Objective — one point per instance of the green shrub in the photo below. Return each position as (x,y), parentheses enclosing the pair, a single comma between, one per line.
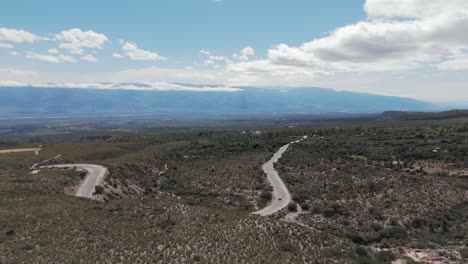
(464,253)
(99,189)
(28,247)
(301,197)
(394,232)
(266,195)
(386,256)
(365,260)
(376,227)
(356,238)
(292,207)
(466,242)
(286,247)
(361,251)
(418,223)
(409,260)
(359,158)
(376,213)
(328,212)
(167,223)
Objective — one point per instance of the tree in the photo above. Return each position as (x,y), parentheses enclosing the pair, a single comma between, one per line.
(99,189)
(292,207)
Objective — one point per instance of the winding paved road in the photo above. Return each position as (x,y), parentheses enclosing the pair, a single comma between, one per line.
(280,195)
(94,177)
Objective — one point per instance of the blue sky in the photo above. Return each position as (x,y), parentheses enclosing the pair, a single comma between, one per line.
(179,29)
(397,47)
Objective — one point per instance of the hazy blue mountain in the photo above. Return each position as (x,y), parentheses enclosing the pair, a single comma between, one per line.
(28,101)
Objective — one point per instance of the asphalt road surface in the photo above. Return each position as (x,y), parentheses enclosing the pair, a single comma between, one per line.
(280,195)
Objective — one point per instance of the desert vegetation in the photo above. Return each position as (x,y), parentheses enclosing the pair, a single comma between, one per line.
(41,224)
(384,187)
(361,194)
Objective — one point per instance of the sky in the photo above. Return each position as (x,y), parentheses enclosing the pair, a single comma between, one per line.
(409,48)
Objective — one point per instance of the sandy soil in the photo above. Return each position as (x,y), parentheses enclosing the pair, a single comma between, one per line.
(440,167)
(420,255)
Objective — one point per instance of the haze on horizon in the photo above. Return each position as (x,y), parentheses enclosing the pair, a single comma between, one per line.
(408,48)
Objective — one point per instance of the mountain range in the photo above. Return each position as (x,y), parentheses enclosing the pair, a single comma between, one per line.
(37,102)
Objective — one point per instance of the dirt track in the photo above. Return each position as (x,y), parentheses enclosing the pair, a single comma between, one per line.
(94,177)
(35,150)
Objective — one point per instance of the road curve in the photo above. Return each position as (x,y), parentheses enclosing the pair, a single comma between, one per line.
(280,195)
(94,177)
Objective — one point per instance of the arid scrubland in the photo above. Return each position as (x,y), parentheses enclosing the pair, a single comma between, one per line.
(385,187)
(364,194)
(40,224)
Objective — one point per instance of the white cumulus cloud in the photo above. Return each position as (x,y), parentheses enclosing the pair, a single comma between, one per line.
(6,46)
(75,40)
(135,53)
(213,60)
(397,35)
(50,58)
(244,54)
(117,56)
(413,8)
(53,51)
(89,58)
(17,36)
